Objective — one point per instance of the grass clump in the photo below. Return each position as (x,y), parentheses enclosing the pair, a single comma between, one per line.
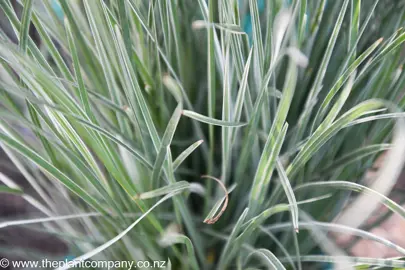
(281,105)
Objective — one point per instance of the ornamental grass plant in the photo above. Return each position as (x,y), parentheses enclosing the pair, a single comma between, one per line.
(219,134)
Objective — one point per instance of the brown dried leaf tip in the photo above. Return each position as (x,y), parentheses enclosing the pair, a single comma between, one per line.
(216,218)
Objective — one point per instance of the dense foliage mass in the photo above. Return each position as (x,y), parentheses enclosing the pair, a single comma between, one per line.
(206,134)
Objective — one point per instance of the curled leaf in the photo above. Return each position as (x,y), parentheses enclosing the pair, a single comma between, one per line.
(212,220)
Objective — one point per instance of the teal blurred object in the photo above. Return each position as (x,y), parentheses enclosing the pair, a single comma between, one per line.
(247,19)
(69,258)
(58,9)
